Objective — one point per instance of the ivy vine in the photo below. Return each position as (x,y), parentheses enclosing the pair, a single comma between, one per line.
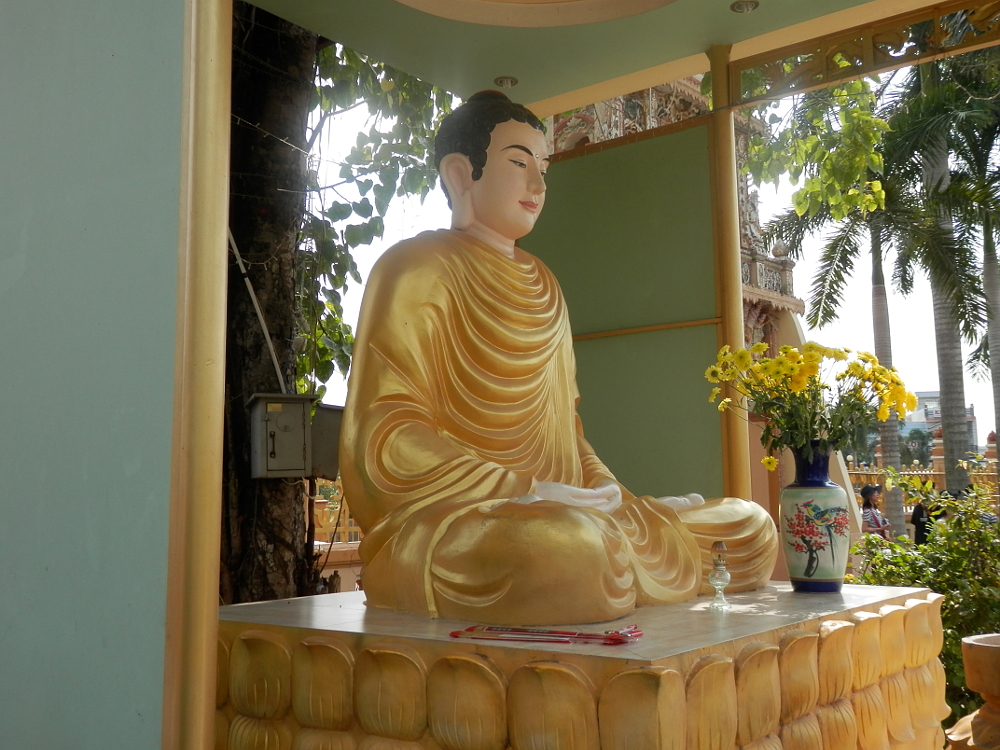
(393,157)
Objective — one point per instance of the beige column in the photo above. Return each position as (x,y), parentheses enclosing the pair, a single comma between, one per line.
(196,460)
(727,237)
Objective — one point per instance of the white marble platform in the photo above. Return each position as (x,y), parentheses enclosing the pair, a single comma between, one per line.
(668,629)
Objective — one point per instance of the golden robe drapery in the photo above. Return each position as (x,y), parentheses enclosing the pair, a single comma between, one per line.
(463,394)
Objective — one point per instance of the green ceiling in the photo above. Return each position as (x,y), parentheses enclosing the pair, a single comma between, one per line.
(465,58)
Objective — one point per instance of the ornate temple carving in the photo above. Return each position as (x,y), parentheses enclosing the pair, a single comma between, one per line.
(906,39)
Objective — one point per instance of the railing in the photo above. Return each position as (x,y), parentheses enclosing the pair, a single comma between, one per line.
(329,530)
(865,474)
(334,521)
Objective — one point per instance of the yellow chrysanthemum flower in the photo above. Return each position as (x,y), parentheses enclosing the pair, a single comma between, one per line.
(770,463)
(742,359)
(784,388)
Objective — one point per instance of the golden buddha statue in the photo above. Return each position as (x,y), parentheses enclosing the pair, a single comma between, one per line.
(462,454)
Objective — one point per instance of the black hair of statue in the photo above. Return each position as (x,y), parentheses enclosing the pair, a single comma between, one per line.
(467,129)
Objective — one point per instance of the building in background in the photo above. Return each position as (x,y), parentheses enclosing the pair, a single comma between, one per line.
(927,417)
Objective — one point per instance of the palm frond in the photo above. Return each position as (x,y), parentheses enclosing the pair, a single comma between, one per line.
(836,265)
(950,260)
(792,229)
(903,271)
(978,361)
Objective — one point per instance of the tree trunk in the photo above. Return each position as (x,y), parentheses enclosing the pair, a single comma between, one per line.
(888,430)
(991,288)
(951,381)
(951,374)
(264,545)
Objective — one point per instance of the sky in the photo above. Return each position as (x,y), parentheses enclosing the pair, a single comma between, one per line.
(911,317)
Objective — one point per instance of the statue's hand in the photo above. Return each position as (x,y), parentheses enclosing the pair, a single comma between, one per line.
(683,502)
(607,496)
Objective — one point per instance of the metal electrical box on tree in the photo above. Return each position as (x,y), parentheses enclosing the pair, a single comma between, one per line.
(284,439)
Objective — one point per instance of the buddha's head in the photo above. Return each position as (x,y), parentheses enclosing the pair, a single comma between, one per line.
(492,157)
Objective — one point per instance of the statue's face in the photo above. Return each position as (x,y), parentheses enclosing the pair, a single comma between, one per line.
(509,196)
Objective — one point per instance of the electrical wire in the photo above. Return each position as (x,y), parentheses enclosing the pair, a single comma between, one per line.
(260,315)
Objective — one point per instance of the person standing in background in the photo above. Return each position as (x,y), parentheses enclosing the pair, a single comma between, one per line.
(921,520)
(872,521)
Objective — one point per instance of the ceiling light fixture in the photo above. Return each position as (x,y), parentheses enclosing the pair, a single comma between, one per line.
(744,6)
(505,82)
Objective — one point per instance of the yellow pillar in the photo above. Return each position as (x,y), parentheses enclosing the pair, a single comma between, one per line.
(196,457)
(736,437)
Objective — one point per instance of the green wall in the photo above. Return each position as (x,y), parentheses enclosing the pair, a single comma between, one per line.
(89,200)
(628,232)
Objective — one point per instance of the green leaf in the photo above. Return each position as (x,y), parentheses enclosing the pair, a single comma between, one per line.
(324,370)
(383,195)
(363,208)
(354,235)
(338,212)
(412,180)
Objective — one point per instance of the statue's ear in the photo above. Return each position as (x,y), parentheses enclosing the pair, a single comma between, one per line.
(456,174)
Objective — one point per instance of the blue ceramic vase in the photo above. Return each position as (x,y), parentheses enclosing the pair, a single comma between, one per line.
(815,531)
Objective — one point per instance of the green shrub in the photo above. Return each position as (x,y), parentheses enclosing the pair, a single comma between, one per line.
(961,560)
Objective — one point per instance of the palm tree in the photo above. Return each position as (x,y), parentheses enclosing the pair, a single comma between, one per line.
(951,374)
(975,187)
(927,113)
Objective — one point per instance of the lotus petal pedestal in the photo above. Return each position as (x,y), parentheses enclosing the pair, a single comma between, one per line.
(779,671)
